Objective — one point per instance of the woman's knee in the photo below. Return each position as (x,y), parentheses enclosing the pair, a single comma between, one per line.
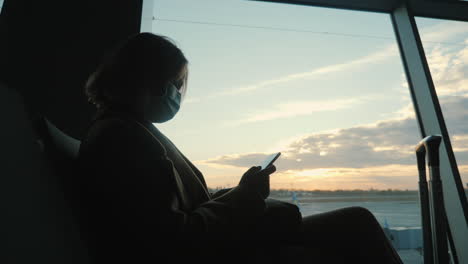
(361,214)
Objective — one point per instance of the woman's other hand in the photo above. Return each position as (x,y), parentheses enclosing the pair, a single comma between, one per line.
(258,180)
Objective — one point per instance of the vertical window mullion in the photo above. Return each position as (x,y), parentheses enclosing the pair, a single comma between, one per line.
(431,122)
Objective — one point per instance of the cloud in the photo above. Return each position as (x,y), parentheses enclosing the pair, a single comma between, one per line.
(299,108)
(356,64)
(442,31)
(378,144)
(435,34)
(383,143)
(449,69)
(376,150)
(245,160)
(367,60)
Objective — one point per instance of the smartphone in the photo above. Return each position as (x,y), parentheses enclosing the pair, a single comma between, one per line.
(269,160)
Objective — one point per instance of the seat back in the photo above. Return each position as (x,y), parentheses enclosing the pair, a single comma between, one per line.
(37,223)
(61,152)
(63,143)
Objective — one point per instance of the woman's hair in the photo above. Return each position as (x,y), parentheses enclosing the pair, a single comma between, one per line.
(142,59)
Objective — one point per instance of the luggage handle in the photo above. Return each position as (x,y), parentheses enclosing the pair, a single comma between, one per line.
(433,215)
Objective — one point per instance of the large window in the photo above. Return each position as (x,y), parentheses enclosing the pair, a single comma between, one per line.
(325,87)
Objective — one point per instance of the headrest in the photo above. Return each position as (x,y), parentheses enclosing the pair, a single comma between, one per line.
(58,145)
(62,142)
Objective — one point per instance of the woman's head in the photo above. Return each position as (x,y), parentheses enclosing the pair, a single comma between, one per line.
(143,67)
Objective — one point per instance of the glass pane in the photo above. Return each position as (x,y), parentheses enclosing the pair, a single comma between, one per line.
(446,47)
(325,87)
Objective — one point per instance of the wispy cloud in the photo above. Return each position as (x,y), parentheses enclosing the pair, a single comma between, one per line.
(244,160)
(432,35)
(442,31)
(298,108)
(355,64)
(436,33)
(449,69)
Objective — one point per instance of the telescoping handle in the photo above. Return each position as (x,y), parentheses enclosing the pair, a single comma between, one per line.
(424,202)
(432,202)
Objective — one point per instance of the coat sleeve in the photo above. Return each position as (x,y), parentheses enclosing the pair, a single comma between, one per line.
(133,178)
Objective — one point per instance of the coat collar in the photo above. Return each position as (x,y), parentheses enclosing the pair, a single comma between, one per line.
(167,144)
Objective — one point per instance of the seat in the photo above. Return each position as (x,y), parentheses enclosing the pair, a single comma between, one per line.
(37,221)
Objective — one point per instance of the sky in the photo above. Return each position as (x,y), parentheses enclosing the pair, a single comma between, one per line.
(325,87)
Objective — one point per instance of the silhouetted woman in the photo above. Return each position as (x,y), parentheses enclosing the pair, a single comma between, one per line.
(145,201)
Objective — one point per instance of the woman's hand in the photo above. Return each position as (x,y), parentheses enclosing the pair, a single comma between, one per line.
(258,180)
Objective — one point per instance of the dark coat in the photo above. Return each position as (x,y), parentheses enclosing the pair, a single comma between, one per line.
(141,197)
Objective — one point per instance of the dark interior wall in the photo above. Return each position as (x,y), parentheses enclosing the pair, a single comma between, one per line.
(48,48)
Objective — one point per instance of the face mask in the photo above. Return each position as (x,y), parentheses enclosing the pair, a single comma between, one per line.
(166,106)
